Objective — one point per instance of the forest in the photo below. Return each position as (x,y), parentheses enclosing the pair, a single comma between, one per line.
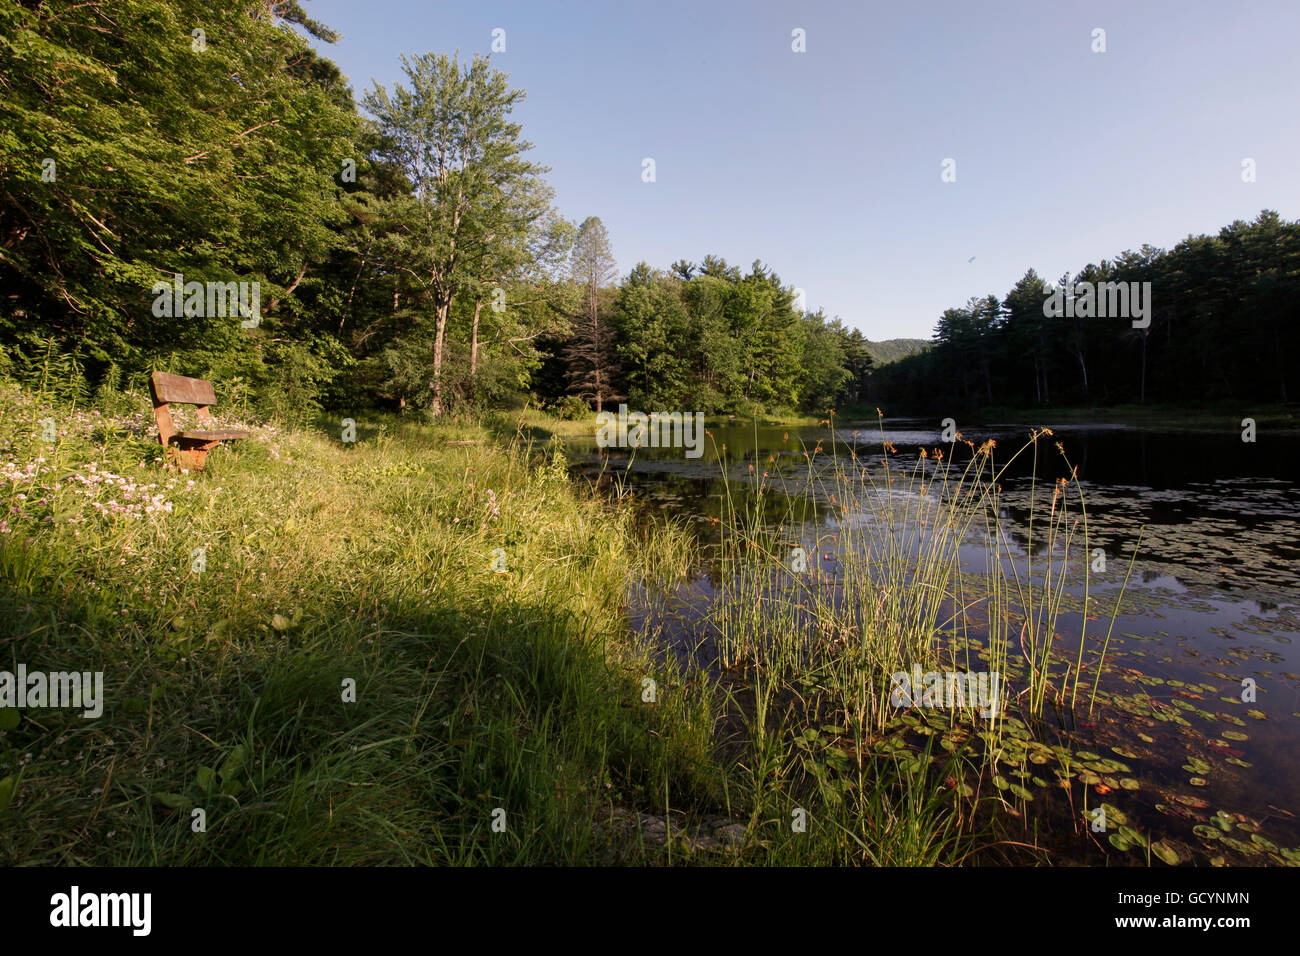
(407,258)
(1222,327)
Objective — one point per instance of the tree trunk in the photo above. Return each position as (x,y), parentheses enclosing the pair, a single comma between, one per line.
(473,344)
(593,304)
(443,309)
(289,291)
(1142,390)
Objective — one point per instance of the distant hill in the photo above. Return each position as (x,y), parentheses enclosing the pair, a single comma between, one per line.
(891,350)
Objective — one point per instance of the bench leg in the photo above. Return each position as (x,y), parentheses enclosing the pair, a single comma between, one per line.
(190,459)
(195,458)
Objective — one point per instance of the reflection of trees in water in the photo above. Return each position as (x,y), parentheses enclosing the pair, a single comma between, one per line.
(1205,538)
(1014,526)
(1186,490)
(678,495)
(1116,545)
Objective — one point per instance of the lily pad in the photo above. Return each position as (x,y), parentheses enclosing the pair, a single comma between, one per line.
(1166,853)
(1114,814)
(1128,833)
(1241,846)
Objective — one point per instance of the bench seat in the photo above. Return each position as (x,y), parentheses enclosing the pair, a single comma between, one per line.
(226,434)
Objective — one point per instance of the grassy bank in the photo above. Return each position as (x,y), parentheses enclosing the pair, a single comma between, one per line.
(314,644)
(1208,418)
(541,425)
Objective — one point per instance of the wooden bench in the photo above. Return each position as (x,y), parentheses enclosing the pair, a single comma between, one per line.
(188,449)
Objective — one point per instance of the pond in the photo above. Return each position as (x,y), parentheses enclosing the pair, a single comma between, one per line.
(1192,734)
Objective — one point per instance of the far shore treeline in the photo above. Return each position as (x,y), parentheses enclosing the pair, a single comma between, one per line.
(408,254)
(1222,325)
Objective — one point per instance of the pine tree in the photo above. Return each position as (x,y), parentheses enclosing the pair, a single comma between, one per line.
(590,356)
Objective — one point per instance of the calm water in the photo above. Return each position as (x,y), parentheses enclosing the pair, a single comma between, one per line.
(1213,598)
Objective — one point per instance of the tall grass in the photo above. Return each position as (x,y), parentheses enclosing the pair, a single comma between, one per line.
(883,580)
(860,578)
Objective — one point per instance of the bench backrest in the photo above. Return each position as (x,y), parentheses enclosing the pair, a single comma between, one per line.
(178,388)
(167,388)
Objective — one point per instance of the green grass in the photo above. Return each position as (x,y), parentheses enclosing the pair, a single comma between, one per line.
(327,566)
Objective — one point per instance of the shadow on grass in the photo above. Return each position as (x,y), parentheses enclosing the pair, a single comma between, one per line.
(358,736)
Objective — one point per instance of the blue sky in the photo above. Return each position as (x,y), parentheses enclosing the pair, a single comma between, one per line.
(826,164)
